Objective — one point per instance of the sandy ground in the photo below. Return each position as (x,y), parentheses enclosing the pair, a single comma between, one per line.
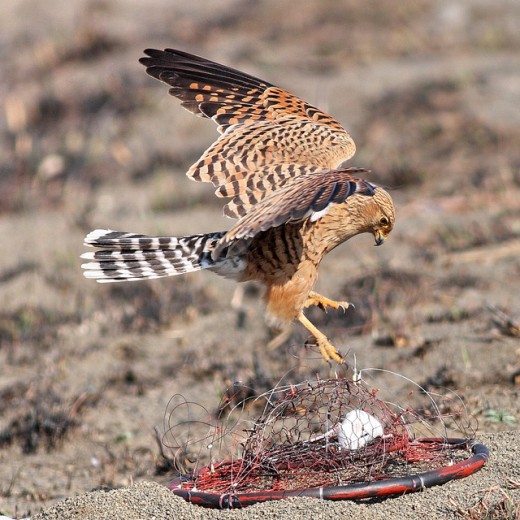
(429,92)
(149,500)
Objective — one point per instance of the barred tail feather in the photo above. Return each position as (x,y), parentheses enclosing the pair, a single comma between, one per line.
(128,256)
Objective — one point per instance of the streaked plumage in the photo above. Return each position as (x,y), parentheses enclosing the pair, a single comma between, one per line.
(279,159)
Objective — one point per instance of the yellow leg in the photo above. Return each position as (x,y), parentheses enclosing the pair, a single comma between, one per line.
(327,350)
(279,339)
(321,301)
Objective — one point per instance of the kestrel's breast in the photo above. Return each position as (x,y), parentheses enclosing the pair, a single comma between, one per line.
(279,259)
(285,301)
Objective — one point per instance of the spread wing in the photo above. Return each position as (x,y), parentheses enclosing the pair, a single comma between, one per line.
(307,196)
(265,130)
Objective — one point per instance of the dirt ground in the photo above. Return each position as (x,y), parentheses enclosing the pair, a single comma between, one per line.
(430,93)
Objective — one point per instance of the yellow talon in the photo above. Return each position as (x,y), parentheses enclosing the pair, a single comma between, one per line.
(323,302)
(326,348)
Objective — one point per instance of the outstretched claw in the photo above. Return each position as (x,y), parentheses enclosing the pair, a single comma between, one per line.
(326,348)
(323,302)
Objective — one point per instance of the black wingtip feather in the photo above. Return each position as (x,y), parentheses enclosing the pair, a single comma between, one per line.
(188,65)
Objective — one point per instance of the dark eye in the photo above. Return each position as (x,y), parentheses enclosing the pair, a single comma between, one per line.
(384,222)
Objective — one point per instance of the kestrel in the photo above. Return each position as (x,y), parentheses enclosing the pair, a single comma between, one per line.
(279,160)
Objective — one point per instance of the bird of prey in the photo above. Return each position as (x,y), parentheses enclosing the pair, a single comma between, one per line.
(279,160)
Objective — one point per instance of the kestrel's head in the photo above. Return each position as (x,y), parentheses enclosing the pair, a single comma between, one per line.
(379,214)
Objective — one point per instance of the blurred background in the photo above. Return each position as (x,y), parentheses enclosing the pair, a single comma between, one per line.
(430,92)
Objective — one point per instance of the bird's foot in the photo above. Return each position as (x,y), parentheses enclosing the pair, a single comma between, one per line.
(327,350)
(323,302)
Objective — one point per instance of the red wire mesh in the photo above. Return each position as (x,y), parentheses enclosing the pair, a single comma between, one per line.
(318,433)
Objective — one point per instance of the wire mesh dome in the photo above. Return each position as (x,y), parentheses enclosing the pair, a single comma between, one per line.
(321,438)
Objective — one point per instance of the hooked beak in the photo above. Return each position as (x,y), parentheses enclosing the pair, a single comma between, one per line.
(379,237)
